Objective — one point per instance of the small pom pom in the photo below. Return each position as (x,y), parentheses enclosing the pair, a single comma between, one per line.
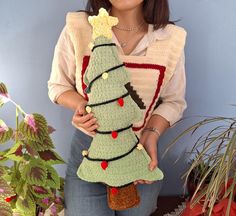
(88,109)
(114,191)
(105,75)
(114,134)
(8,199)
(104,165)
(121,102)
(84,153)
(140,146)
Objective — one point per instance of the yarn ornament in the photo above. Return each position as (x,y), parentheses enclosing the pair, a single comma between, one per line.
(115,156)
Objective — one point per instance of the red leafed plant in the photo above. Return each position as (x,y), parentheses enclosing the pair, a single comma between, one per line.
(31,185)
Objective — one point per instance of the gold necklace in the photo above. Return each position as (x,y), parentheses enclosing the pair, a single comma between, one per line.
(130,28)
(124,43)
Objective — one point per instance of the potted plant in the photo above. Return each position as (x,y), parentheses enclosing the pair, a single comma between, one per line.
(196,175)
(213,168)
(30,185)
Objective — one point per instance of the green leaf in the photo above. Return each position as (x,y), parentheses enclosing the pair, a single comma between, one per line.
(35,172)
(31,150)
(26,205)
(14,157)
(3,88)
(5,208)
(4,98)
(36,133)
(2,170)
(15,153)
(5,135)
(53,179)
(51,129)
(46,144)
(5,189)
(19,187)
(51,157)
(18,212)
(16,177)
(40,192)
(5,174)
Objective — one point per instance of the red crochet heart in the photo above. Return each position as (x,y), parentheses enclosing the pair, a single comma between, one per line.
(8,199)
(104,165)
(114,191)
(114,134)
(121,102)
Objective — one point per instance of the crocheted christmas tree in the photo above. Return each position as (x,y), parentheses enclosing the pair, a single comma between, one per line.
(115,156)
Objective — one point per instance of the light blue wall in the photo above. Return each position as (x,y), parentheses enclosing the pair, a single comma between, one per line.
(28,33)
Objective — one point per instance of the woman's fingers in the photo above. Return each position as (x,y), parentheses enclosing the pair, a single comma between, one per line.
(90,123)
(148,182)
(153,164)
(80,120)
(140,181)
(92,128)
(85,118)
(151,148)
(152,152)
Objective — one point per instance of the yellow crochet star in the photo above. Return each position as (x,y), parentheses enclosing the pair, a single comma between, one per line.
(102,24)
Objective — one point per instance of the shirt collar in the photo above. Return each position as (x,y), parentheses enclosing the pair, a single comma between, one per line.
(159,34)
(150,37)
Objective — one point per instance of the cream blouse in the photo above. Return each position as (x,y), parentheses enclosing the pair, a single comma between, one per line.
(63,73)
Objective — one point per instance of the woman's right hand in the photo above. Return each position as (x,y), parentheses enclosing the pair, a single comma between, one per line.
(83,119)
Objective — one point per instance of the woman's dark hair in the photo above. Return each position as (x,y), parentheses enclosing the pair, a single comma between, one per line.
(155,12)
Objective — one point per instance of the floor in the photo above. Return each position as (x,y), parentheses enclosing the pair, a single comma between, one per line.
(167,204)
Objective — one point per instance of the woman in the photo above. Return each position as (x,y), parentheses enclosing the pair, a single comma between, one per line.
(153,50)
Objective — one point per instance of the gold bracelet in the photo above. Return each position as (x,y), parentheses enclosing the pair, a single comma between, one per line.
(152,129)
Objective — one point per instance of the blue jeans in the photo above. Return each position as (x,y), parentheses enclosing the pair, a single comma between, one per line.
(90,199)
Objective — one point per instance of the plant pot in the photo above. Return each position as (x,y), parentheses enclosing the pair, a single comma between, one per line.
(123,197)
(221,208)
(194,179)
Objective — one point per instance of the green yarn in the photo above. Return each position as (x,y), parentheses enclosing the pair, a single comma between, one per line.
(120,172)
(112,117)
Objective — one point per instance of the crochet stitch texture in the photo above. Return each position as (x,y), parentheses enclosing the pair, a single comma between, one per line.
(112,117)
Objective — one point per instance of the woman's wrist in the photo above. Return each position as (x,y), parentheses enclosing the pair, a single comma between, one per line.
(156,125)
(71,99)
(153,130)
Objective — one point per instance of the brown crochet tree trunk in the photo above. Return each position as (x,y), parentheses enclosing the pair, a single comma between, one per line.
(123,197)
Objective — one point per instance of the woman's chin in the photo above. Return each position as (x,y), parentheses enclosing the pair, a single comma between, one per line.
(125,5)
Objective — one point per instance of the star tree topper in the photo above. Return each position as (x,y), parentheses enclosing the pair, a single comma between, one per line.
(102,24)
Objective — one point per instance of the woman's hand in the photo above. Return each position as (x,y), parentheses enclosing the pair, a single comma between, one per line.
(149,141)
(83,119)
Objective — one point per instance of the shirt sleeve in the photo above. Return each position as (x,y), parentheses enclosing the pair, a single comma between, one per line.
(172,97)
(62,77)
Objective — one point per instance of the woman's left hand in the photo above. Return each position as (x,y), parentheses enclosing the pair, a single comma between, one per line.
(149,141)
